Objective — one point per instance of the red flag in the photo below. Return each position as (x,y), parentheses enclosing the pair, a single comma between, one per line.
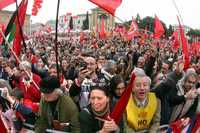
(176,42)
(2,126)
(197,124)
(18,37)
(177,126)
(158,28)
(48,29)
(195,47)
(132,31)
(134,26)
(109,5)
(102,33)
(121,104)
(184,46)
(5,3)
(36,6)
(82,37)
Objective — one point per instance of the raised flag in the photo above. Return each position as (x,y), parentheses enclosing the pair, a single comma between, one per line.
(13,29)
(5,3)
(109,5)
(82,37)
(102,33)
(195,48)
(134,26)
(184,46)
(36,6)
(196,127)
(3,127)
(158,28)
(132,31)
(176,40)
(120,106)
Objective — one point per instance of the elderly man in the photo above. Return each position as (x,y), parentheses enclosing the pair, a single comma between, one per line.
(143,108)
(57,111)
(29,82)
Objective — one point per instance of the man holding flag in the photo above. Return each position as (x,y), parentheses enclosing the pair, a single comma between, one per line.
(143,108)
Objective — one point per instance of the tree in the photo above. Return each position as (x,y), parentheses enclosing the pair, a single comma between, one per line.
(148,23)
(85,25)
(71,23)
(138,19)
(194,32)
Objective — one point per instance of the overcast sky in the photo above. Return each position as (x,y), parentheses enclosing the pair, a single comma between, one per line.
(164,9)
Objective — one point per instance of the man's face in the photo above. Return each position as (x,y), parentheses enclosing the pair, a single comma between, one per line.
(141,88)
(165,68)
(101,60)
(190,83)
(52,53)
(141,62)
(91,64)
(53,72)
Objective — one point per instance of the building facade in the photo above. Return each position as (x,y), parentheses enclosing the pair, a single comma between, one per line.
(97,15)
(77,21)
(5,18)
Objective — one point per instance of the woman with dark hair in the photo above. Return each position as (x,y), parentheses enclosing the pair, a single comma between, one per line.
(95,117)
(117,87)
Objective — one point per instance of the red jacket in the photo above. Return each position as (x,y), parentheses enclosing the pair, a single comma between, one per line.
(31,91)
(34,106)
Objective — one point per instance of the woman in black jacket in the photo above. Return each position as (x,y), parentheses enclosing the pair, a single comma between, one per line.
(95,117)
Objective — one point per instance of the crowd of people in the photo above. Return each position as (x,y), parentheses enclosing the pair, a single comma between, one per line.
(76,88)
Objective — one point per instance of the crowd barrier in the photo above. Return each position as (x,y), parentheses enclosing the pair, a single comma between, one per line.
(30,129)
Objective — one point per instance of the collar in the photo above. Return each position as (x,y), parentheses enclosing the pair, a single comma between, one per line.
(139,103)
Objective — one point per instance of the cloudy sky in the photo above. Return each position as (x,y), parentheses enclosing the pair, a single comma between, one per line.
(164,9)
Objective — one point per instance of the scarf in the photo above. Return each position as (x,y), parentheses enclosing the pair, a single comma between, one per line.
(102,114)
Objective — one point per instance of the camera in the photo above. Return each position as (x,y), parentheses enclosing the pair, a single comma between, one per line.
(83,65)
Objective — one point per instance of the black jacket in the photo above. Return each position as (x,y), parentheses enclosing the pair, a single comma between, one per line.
(89,124)
(162,91)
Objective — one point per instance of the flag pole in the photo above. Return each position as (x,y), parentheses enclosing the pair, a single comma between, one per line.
(18,60)
(56,39)
(178,11)
(20,27)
